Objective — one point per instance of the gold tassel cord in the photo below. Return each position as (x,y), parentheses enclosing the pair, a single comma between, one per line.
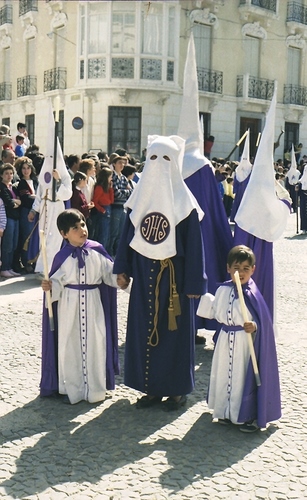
(174,308)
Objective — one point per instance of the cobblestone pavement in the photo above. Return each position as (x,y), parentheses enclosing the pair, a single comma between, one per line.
(113,451)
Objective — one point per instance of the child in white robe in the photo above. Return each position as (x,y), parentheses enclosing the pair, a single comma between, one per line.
(82,332)
(233,394)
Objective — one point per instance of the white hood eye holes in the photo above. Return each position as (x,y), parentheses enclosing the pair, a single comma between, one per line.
(154,157)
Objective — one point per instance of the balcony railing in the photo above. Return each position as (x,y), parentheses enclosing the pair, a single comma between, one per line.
(27,6)
(26,86)
(5,91)
(254,88)
(296,13)
(294,94)
(210,81)
(263,4)
(6,15)
(55,79)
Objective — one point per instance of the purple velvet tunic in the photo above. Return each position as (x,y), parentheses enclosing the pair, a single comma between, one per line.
(216,233)
(166,369)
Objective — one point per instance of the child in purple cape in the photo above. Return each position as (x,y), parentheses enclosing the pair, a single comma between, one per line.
(233,395)
(80,359)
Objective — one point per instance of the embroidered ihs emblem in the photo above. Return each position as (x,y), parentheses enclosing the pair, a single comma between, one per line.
(155,228)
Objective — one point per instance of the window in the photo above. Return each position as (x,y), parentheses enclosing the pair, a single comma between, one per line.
(205,120)
(252,55)
(30,56)
(202,39)
(152,29)
(6,121)
(125,129)
(292,133)
(30,126)
(7,58)
(294,65)
(123,28)
(158,25)
(93,40)
(128,40)
(59,47)
(97,25)
(254,126)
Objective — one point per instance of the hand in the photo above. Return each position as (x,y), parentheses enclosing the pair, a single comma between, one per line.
(56,175)
(1,232)
(193,296)
(91,205)
(123,281)
(46,285)
(250,326)
(17,203)
(31,216)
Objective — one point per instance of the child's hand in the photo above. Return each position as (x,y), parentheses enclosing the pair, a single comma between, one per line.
(31,216)
(250,326)
(1,232)
(123,281)
(46,285)
(56,175)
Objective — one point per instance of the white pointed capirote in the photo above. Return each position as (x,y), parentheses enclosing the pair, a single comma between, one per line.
(244,168)
(261,213)
(293,173)
(189,123)
(45,175)
(161,199)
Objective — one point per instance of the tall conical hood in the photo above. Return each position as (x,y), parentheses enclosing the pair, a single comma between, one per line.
(189,124)
(260,212)
(244,168)
(293,174)
(45,176)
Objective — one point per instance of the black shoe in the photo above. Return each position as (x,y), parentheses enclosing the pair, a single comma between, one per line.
(200,340)
(249,427)
(223,421)
(148,401)
(172,405)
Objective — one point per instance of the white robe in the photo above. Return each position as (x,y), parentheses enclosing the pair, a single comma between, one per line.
(48,213)
(231,354)
(81,327)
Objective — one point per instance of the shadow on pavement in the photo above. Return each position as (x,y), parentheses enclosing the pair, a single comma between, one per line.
(61,449)
(17,285)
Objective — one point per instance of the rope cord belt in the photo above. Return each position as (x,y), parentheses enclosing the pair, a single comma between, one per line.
(174,308)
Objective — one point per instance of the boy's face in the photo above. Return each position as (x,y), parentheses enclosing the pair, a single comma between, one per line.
(244,269)
(77,235)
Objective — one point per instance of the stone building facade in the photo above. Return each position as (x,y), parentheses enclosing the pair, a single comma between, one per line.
(117,67)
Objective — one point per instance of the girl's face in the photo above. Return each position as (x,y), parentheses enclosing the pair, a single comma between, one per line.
(82,183)
(26,171)
(110,180)
(91,172)
(7,177)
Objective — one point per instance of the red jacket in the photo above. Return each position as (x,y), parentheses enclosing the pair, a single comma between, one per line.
(101,198)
